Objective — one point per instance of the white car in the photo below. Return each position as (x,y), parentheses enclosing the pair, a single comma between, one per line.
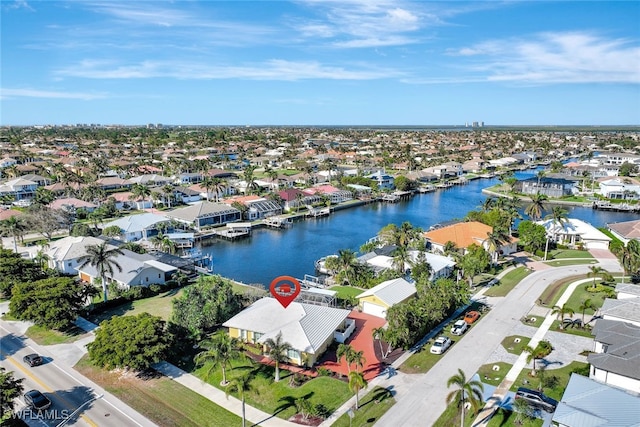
(440,345)
(460,327)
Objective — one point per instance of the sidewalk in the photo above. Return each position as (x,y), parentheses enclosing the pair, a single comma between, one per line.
(501,391)
(206,390)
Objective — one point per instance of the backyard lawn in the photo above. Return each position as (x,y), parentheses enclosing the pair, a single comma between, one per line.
(346,292)
(159,305)
(162,400)
(372,406)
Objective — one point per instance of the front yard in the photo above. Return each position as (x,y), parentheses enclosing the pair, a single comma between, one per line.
(372,407)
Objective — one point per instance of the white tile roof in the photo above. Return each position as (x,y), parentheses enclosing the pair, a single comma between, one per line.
(391,291)
(305,326)
(138,222)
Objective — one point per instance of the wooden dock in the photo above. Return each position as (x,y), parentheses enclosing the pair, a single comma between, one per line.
(615,207)
(317,212)
(278,221)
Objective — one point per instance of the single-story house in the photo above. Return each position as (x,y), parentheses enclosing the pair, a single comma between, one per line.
(137,270)
(139,226)
(623,310)
(616,357)
(589,403)
(335,194)
(309,329)
(71,204)
(627,290)
(150,179)
(575,232)
(124,201)
(381,259)
(257,207)
(463,235)
(205,213)
(377,300)
(626,230)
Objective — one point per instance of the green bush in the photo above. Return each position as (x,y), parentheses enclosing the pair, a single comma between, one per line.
(324,372)
(156,289)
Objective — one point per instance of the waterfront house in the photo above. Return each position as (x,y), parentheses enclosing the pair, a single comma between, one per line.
(140,226)
(587,402)
(463,235)
(295,199)
(575,233)
(620,188)
(550,187)
(205,214)
(137,270)
(626,230)
(257,207)
(616,354)
(384,181)
(334,194)
(377,300)
(381,259)
(446,170)
(309,329)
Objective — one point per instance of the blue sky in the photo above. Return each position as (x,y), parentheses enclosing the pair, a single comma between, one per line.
(320,62)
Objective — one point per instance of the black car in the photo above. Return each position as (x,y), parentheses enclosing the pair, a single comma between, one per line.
(32,359)
(36,400)
(537,399)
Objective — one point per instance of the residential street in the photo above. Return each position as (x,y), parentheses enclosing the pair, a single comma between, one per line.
(65,387)
(422,397)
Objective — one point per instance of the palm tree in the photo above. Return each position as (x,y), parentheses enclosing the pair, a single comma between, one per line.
(541,350)
(401,258)
(140,191)
(356,358)
(209,183)
(495,240)
(277,349)
(168,192)
(562,312)
(535,209)
(345,263)
(345,350)
(357,382)
(102,257)
(14,227)
(378,334)
(465,390)
(220,350)
(584,306)
(558,216)
(242,385)
(595,271)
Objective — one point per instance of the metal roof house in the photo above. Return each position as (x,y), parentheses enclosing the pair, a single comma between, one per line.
(588,403)
(139,227)
(310,329)
(377,300)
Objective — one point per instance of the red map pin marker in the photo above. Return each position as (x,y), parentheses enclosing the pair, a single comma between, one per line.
(285,289)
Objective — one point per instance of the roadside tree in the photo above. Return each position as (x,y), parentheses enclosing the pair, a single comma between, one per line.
(466,391)
(220,349)
(10,389)
(357,382)
(102,257)
(14,269)
(130,342)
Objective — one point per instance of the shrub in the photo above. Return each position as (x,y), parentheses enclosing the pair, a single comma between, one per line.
(156,289)
(324,372)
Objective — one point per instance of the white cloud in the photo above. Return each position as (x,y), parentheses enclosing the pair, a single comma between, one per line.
(276,69)
(7,93)
(575,57)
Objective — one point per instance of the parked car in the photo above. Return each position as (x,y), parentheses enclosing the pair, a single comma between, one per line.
(32,359)
(36,400)
(460,327)
(537,399)
(440,345)
(471,316)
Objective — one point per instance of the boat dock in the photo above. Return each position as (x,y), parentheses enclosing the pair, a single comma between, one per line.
(316,212)
(278,221)
(615,207)
(232,231)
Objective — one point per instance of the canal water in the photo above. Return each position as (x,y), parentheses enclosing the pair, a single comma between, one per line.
(269,253)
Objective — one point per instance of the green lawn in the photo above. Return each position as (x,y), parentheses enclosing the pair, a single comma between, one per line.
(422,360)
(536,324)
(507,418)
(451,417)
(556,380)
(508,282)
(345,292)
(581,294)
(160,399)
(45,336)
(159,305)
(555,326)
(489,376)
(566,262)
(372,406)
(568,253)
(513,347)
(278,398)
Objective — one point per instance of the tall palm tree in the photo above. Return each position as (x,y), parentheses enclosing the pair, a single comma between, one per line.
(584,306)
(345,350)
(595,271)
(561,312)
(465,391)
(630,257)
(558,216)
(168,192)
(140,191)
(357,382)
(102,257)
(378,334)
(241,384)
(15,227)
(401,258)
(209,183)
(536,207)
(277,351)
(220,350)
(495,239)
(356,358)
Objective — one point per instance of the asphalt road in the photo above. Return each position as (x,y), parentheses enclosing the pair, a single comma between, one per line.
(425,399)
(66,388)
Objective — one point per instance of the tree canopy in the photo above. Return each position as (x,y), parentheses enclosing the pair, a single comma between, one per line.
(10,389)
(131,342)
(53,303)
(15,269)
(205,304)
